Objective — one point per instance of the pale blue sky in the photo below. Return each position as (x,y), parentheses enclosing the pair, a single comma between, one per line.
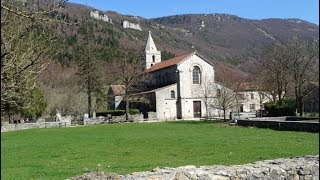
(252,9)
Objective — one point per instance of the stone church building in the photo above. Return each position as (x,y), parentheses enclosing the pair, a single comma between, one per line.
(181,85)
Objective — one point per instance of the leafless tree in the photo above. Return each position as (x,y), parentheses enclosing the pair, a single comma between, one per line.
(207,93)
(129,71)
(227,92)
(225,99)
(302,64)
(274,73)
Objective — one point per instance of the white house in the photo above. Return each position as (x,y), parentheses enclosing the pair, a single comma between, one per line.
(251,99)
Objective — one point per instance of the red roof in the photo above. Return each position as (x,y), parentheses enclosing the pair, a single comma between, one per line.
(169,62)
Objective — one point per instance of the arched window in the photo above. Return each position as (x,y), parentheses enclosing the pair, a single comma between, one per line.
(172,94)
(196,75)
(218,93)
(153,58)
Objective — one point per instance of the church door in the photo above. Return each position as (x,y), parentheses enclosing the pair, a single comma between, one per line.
(197,109)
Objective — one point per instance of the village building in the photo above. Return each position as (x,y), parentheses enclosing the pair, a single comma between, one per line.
(183,86)
(251,99)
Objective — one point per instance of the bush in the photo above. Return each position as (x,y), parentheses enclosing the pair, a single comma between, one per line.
(117,112)
(288,108)
(134,111)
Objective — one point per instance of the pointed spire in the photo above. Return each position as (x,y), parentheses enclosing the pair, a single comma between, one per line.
(150,44)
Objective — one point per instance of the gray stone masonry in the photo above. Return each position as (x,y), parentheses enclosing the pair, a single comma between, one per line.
(306,167)
(40,123)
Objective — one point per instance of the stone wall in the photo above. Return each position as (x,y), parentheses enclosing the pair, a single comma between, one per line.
(88,121)
(281,125)
(40,123)
(114,119)
(152,115)
(133,117)
(306,167)
(14,127)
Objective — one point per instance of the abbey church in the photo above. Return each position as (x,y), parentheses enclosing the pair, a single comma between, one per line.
(181,85)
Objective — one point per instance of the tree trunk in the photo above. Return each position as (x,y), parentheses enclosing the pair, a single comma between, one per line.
(89,95)
(89,102)
(206,104)
(224,115)
(301,106)
(127,109)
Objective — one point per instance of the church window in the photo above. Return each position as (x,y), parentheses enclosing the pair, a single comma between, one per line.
(173,95)
(196,75)
(252,96)
(252,107)
(218,92)
(241,107)
(153,58)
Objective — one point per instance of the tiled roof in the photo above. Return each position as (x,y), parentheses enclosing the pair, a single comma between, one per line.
(118,90)
(170,62)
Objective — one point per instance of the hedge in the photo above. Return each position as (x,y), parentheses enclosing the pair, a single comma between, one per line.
(288,108)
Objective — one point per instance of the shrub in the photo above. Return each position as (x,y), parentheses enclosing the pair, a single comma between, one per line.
(288,108)
(134,111)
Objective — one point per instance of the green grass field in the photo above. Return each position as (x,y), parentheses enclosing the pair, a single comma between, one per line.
(59,153)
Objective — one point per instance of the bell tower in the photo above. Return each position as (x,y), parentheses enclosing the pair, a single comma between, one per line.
(153,56)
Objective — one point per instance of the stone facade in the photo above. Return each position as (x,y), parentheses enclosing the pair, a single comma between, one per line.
(250,100)
(306,167)
(127,24)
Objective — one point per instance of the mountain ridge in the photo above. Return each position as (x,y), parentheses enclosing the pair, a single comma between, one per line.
(225,39)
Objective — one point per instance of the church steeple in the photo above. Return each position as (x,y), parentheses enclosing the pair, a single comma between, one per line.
(153,56)
(150,44)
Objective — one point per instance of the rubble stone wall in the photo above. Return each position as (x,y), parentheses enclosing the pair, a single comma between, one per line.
(306,167)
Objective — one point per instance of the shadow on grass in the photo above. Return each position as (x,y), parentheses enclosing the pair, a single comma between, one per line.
(202,121)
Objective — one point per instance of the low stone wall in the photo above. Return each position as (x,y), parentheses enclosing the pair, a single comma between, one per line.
(292,118)
(114,119)
(281,125)
(152,116)
(88,121)
(306,167)
(14,127)
(133,117)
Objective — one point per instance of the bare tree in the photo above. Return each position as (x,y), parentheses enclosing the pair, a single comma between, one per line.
(274,73)
(129,71)
(207,93)
(262,82)
(227,87)
(226,98)
(302,64)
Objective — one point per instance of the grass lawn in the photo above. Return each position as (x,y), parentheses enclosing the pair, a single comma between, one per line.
(59,153)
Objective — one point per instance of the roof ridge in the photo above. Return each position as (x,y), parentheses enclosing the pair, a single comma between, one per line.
(169,62)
